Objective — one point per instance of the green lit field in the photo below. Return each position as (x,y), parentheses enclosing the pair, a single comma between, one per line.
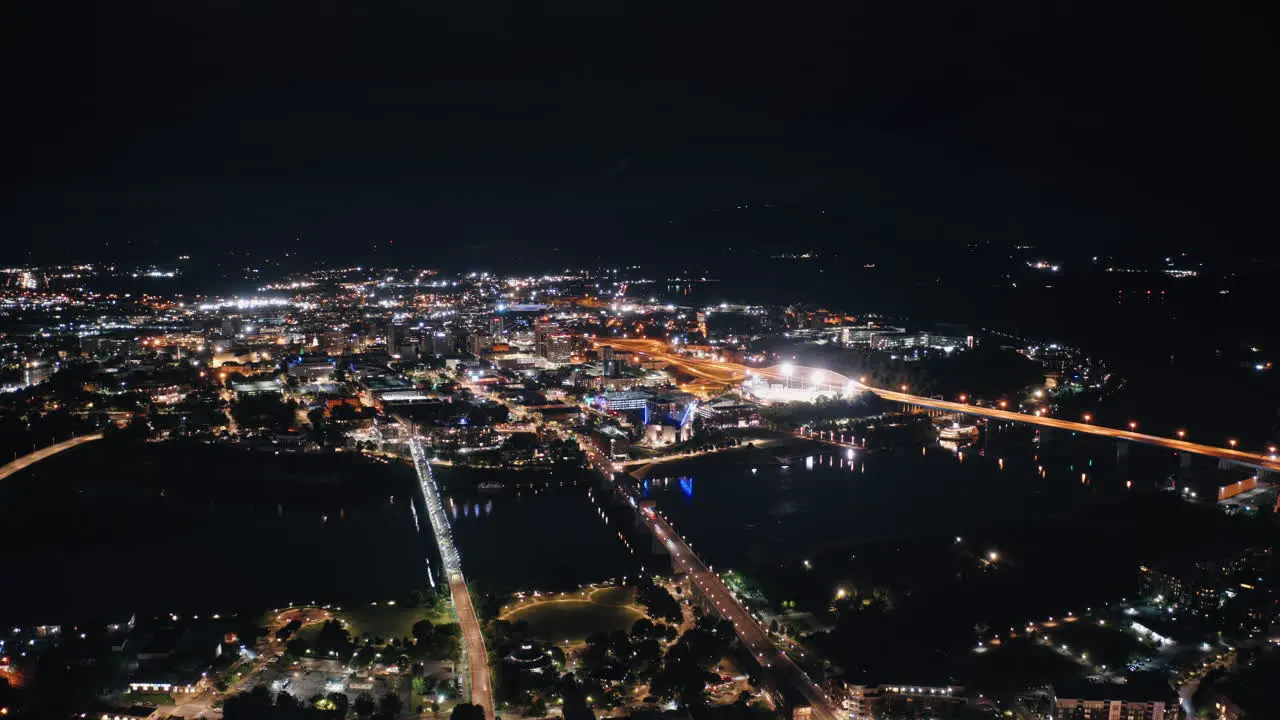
(573,618)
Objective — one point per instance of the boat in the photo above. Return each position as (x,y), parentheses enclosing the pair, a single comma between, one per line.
(958,432)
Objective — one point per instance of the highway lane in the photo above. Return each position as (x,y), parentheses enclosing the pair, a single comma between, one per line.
(1268,462)
(749,631)
(753,636)
(473,644)
(733,373)
(477,657)
(30,459)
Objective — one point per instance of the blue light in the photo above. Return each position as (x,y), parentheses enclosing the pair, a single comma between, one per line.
(686,486)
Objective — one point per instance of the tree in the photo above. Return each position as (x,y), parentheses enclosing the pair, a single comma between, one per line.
(344,412)
(658,602)
(422,631)
(287,704)
(389,707)
(340,703)
(467,711)
(251,705)
(641,628)
(363,705)
(264,411)
(557,654)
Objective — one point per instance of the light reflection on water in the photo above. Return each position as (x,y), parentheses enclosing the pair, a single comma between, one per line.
(742,513)
(545,539)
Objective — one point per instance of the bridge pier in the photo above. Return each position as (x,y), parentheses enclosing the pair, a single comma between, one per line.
(1184,464)
(1263,475)
(1122,452)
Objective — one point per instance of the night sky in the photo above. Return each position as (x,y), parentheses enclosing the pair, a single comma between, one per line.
(470,130)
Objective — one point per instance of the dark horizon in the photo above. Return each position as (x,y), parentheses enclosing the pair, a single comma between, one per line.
(491,132)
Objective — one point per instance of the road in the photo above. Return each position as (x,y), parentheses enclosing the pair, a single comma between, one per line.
(30,459)
(728,374)
(754,637)
(475,655)
(472,644)
(1267,462)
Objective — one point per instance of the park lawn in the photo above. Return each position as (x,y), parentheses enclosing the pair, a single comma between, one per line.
(1018,664)
(1109,645)
(614,596)
(307,634)
(573,620)
(388,621)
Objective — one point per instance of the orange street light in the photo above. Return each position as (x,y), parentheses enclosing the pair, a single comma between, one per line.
(1231,442)
(1087,417)
(1271,449)
(1182,434)
(904,388)
(1133,425)
(1004,404)
(963,397)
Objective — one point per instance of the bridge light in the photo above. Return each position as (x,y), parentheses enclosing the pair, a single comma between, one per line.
(904,388)
(964,398)
(1231,442)
(1182,434)
(1133,424)
(1003,404)
(787,369)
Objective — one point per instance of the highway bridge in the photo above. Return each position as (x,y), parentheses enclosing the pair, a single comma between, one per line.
(779,669)
(728,374)
(475,657)
(32,458)
(775,663)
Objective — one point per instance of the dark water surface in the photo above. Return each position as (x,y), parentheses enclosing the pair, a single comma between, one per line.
(106,530)
(744,516)
(549,538)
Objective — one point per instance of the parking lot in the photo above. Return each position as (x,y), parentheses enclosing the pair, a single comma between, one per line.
(310,678)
